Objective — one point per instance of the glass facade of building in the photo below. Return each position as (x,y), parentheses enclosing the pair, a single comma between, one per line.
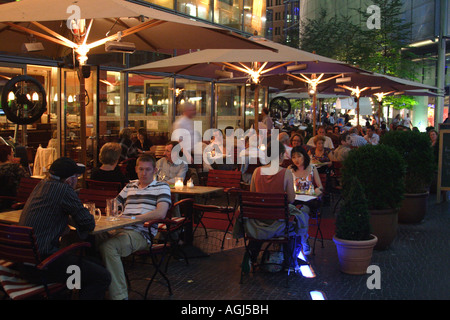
(116,99)
(241,15)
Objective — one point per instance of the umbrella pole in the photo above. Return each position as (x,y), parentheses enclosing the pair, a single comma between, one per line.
(320,111)
(379,112)
(314,113)
(357,112)
(256,108)
(82,117)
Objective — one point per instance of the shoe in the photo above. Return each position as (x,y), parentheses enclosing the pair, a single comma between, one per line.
(306,248)
(295,269)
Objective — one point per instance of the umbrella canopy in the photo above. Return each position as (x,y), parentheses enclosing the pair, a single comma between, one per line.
(242,64)
(259,67)
(106,20)
(364,84)
(305,95)
(373,84)
(87,26)
(368,84)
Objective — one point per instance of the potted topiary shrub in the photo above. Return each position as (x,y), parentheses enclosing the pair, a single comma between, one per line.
(353,238)
(415,149)
(380,169)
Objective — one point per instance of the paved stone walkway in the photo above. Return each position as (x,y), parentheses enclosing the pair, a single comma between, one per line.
(414,267)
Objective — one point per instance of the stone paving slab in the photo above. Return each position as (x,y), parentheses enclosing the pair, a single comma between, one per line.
(414,267)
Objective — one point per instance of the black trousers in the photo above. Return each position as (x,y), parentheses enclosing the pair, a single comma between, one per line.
(94,278)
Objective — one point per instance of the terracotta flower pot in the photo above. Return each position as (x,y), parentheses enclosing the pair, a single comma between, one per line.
(384,226)
(355,256)
(414,207)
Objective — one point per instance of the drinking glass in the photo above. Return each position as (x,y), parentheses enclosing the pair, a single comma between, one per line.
(94,211)
(160,175)
(113,210)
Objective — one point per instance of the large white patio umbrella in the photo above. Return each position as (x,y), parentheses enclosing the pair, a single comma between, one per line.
(258,67)
(86,26)
(365,84)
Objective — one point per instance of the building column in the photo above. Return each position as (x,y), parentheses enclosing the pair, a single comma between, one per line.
(440,72)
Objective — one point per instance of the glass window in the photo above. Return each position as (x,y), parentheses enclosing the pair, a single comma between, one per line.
(109,106)
(6,73)
(162,3)
(199,94)
(157,99)
(196,8)
(254,16)
(228,13)
(136,97)
(249,104)
(229,106)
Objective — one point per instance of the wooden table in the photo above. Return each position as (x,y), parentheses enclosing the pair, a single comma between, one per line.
(13,217)
(105,225)
(189,249)
(321,164)
(195,190)
(10,217)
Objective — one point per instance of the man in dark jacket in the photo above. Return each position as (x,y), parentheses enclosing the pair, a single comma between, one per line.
(48,210)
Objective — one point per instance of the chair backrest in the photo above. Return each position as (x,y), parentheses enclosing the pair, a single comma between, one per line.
(26,186)
(257,205)
(179,205)
(97,196)
(103,185)
(324,180)
(337,167)
(224,179)
(127,167)
(18,244)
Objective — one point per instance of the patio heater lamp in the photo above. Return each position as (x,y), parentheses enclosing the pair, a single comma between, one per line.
(357,93)
(254,73)
(380,96)
(313,82)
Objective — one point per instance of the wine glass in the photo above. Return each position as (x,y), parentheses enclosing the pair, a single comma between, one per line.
(160,175)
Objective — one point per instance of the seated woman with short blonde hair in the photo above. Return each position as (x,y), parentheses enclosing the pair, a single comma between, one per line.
(109,171)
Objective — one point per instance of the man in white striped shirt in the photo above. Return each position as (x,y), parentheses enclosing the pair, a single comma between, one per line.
(143,199)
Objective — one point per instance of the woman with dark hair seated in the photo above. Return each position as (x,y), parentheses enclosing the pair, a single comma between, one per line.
(305,174)
(303,171)
(143,143)
(267,179)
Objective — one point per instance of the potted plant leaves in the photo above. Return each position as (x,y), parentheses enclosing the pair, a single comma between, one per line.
(380,169)
(415,149)
(353,238)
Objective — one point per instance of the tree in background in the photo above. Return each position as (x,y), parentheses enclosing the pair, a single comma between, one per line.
(377,49)
(387,41)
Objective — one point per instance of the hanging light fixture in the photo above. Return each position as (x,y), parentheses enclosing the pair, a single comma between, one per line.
(312,89)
